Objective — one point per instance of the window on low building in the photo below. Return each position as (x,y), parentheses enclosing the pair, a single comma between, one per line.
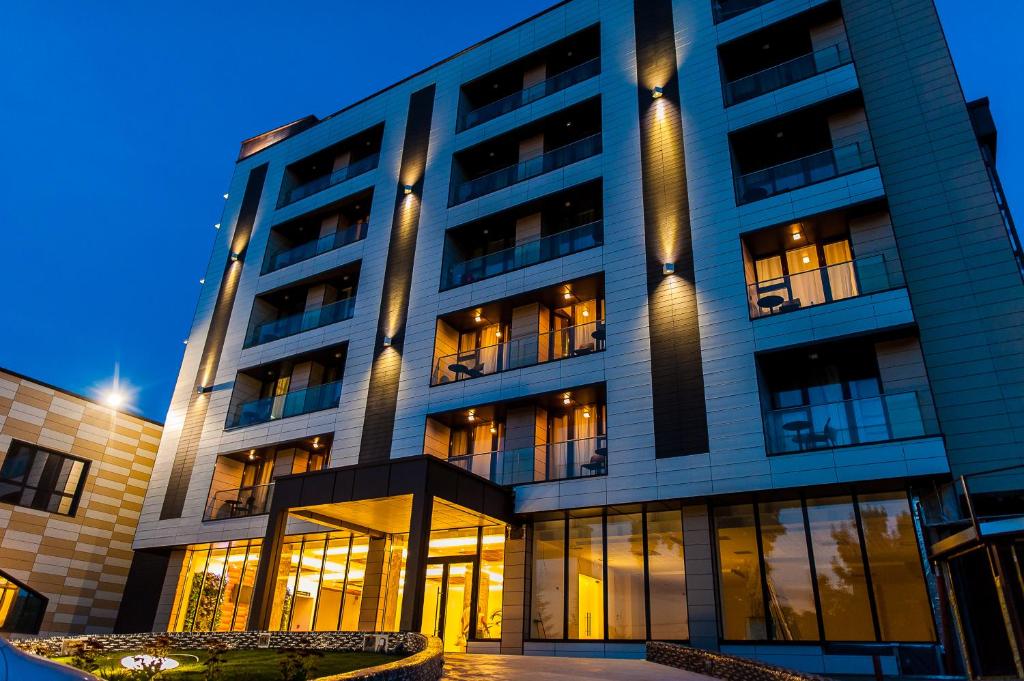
(38,478)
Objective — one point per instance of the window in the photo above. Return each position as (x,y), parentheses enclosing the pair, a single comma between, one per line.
(592,576)
(41,479)
(215,587)
(843,568)
(21,608)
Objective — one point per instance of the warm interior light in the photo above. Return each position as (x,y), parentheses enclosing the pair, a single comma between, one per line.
(494,429)
(586,413)
(796,236)
(567,295)
(497,334)
(472,415)
(252,455)
(586,312)
(657,92)
(566,399)
(477,318)
(316,443)
(807,259)
(235,256)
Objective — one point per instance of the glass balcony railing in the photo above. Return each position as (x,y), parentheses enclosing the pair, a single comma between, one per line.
(243,502)
(516,353)
(295,403)
(282,258)
(321,183)
(881,418)
(510,175)
(787,73)
(824,165)
(580,458)
(556,83)
(297,323)
(858,277)
(727,9)
(523,255)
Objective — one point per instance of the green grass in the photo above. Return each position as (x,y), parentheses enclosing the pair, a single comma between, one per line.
(247,665)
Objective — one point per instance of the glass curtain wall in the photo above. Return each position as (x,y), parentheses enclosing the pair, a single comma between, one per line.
(215,587)
(844,568)
(592,573)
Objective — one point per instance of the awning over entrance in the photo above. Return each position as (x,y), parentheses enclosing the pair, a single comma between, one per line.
(412,496)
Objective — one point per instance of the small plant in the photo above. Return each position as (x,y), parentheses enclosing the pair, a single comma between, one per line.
(297,663)
(215,660)
(159,646)
(86,655)
(146,668)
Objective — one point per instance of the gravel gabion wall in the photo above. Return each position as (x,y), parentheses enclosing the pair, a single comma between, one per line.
(727,667)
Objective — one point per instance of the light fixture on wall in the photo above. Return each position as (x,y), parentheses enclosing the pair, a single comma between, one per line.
(407,189)
(387,341)
(668,268)
(235,257)
(497,334)
(217,226)
(807,260)
(477,318)
(472,415)
(202,389)
(586,412)
(657,92)
(586,312)
(252,455)
(494,429)
(316,443)
(567,295)
(567,398)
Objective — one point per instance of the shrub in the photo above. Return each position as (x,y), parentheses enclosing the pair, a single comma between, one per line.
(297,664)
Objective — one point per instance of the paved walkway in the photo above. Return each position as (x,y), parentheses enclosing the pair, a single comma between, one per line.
(522,667)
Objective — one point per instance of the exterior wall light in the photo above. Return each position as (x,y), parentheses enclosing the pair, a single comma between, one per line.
(387,341)
(407,189)
(202,389)
(225,197)
(235,257)
(668,268)
(657,92)
(217,226)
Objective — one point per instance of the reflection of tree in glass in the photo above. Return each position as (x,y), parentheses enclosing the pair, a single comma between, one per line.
(204,601)
(790,598)
(841,584)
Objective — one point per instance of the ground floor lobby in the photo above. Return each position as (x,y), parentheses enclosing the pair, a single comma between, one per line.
(830,581)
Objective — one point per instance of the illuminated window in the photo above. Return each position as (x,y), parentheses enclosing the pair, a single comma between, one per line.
(586,578)
(492,579)
(627,614)
(667,576)
(215,587)
(739,574)
(788,572)
(901,600)
(547,594)
(842,587)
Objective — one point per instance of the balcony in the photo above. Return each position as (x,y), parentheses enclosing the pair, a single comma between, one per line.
(318,184)
(866,420)
(517,353)
(850,279)
(582,458)
(295,403)
(520,172)
(789,72)
(727,9)
(557,83)
(333,165)
(818,167)
(279,259)
(528,253)
(244,502)
(304,321)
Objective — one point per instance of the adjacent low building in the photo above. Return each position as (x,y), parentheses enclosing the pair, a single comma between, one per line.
(73,476)
(642,319)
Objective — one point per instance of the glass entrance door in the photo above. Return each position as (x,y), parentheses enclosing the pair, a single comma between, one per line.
(447,603)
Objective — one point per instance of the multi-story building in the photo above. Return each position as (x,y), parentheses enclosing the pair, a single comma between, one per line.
(642,319)
(73,476)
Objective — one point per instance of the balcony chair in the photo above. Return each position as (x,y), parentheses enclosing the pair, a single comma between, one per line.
(598,462)
(827,436)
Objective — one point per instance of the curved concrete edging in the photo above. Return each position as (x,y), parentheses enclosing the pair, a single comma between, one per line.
(425,665)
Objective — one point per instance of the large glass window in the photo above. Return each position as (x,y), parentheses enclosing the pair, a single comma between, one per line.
(802,561)
(788,572)
(842,586)
(739,574)
(667,576)
(38,478)
(627,615)
(589,572)
(547,593)
(901,599)
(215,587)
(21,608)
(586,578)
(492,579)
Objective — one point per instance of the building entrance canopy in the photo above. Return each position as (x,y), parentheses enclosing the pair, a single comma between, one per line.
(410,497)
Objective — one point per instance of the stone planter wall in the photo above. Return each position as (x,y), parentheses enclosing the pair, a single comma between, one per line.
(727,667)
(423,657)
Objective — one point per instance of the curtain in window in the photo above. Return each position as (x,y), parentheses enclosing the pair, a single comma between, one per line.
(841,277)
(804,276)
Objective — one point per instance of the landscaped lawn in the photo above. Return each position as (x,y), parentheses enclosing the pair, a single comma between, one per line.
(247,665)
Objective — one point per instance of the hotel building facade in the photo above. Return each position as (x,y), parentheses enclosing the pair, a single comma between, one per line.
(642,319)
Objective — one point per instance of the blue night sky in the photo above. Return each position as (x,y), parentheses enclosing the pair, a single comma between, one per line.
(123,122)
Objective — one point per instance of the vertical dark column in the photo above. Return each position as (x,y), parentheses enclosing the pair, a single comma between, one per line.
(142,589)
(416,561)
(382,397)
(266,569)
(966,291)
(677,375)
(195,413)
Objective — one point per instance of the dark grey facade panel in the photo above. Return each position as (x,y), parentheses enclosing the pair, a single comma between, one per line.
(966,291)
